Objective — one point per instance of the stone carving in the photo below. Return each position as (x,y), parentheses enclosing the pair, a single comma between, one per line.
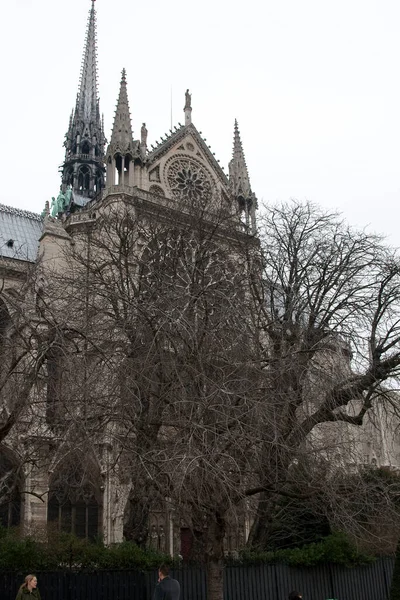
(46,211)
(154,538)
(143,135)
(53,207)
(156,189)
(60,202)
(154,175)
(188,100)
(189,180)
(68,198)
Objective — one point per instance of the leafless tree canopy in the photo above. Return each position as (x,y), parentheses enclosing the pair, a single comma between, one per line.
(213,362)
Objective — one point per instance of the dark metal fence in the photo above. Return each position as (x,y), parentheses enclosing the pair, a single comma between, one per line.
(260,582)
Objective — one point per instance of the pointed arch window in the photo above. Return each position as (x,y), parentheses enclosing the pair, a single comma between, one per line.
(85,147)
(99,181)
(84,179)
(74,504)
(70,177)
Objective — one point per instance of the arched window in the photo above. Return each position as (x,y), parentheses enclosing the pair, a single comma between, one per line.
(70,177)
(10,490)
(75,498)
(84,179)
(99,181)
(85,148)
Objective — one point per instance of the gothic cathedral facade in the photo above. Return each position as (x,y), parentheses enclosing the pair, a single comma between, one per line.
(178,171)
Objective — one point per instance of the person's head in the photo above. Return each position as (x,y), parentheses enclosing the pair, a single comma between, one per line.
(163,571)
(295,595)
(30,582)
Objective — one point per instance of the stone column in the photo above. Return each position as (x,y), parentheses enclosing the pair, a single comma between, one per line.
(122,178)
(35,506)
(131,174)
(113,167)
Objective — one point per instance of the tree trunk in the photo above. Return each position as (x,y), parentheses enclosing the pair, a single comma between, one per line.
(215,556)
(259,533)
(215,585)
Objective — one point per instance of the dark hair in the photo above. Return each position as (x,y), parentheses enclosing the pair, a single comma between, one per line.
(164,569)
(295,595)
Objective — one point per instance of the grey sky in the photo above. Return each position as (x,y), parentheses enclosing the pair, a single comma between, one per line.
(314,85)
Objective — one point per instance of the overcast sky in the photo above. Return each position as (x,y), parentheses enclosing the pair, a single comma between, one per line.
(315,86)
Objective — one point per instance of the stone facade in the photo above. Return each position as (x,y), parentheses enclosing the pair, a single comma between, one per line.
(159,180)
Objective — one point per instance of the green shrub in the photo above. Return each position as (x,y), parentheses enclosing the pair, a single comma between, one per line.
(335,548)
(65,551)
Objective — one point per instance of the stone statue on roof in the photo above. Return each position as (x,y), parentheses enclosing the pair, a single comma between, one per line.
(188,100)
(143,135)
(60,201)
(53,207)
(46,211)
(68,198)
(58,206)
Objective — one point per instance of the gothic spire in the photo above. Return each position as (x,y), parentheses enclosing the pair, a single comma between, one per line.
(83,168)
(121,137)
(238,174)
(122,150)
(87,96)
(240,182)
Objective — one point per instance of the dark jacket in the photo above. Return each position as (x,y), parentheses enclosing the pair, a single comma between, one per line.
(25,594)
(167,589)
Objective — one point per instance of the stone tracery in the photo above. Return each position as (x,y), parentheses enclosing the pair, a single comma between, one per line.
(188,179)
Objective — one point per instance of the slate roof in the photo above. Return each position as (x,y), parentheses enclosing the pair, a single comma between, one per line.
(20,231)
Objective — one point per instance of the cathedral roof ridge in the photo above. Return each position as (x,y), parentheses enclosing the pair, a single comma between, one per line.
(163,146)
(19,212)
(171,137)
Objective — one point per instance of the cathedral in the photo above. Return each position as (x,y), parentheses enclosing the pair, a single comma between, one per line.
(179,169)
(165,181)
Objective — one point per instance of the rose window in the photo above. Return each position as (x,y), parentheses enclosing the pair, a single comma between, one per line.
(188,180)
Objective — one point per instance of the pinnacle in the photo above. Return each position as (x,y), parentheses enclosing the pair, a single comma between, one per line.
(122,129)
(238,174)
(87,96)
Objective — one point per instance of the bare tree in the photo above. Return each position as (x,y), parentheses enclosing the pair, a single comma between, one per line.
(22,356)
(328,305)
(213,361)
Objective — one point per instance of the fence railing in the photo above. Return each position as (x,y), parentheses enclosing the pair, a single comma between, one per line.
(260,582)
